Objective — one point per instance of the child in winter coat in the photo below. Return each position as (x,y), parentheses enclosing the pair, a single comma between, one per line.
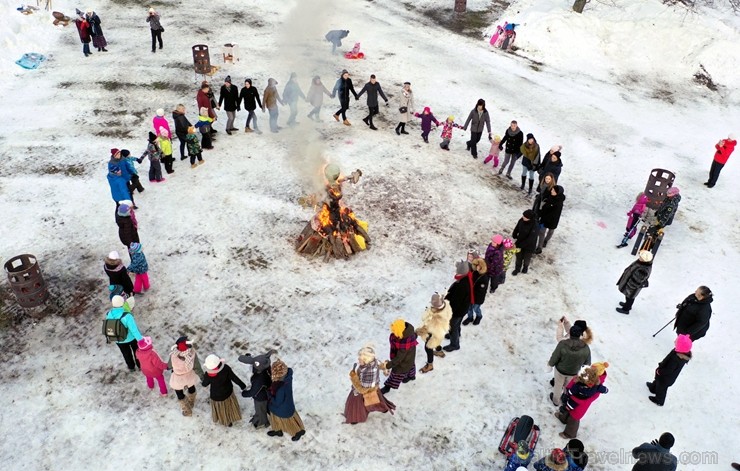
(555,461)
(165,144)
(427,118)
(117,273)
(204,127)
(493,153)
(219,376)
(128,345)
(283,416)
(634,217)
(155,157)
(494,259)
(159,122)
(127,227)
(668,370)
(435,323)
(403,355)
(575,408)
(480,287)
(586,386)
(186,372)
(520,459)
(447,127)
(259,386)
(128,161)
(151,365)
(139,267)
(194,149)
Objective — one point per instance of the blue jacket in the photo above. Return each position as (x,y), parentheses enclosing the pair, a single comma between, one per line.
(118,186)
(138,263)
(281,404)
(128,321)
(127,167)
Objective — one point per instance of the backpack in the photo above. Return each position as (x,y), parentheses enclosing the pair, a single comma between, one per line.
(205,129)
(114,329)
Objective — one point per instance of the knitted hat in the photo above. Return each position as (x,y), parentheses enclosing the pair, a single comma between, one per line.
(673,191)
(344,71)
(397,327)
(145,343)
(113,255)
(529,214)
(556,148)
(135,247)
(438,301)
(228,79)
(151,10)
(160,112)
(117,301)
(278,370)
(125,153)
(683,344)
(114,290)
(114,151)
(407,83)
(575,332)
(556,457)
(462,267)
(162,131)
(427,109)
(497,239)
(450,118)
(124,210)
(645,256)
(152,136)
(600,367)
(182,343)
(666,440)
(581,324)
(530,136)
(212,362)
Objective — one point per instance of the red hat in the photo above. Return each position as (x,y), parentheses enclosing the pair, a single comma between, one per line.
(113,151)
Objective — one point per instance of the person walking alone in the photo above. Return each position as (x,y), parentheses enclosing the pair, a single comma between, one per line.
(725,148)
(156,29)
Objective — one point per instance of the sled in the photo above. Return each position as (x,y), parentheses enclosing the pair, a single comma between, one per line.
(355,53)
(520,428)
(31,60)
(497,34)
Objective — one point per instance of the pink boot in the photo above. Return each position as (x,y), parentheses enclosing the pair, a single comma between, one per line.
(488,159)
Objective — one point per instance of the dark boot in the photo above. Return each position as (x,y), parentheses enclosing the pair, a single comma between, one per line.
(403,128)
(524,180)
(531,182)
(398,129)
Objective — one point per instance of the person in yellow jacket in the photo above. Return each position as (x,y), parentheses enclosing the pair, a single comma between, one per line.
(165,145)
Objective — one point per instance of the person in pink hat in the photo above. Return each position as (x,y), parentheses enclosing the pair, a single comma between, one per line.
(495,262)
(151,365)
(668,370)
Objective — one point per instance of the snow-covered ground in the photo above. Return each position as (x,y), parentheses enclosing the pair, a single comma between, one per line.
(219,239)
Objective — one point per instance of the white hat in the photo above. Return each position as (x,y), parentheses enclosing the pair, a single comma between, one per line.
(151,10)
(114,255)
(212,362)
(645,256)
(117,301)
(160,112)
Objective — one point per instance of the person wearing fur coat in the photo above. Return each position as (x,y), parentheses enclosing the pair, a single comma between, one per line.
(435,323)
(364,396)
(186,373)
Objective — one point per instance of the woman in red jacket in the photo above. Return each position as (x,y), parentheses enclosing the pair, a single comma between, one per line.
(724,147)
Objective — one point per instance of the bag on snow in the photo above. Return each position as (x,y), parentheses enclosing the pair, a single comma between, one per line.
(114,329)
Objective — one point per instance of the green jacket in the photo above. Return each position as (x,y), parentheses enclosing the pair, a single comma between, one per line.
(569,356)
(531,155)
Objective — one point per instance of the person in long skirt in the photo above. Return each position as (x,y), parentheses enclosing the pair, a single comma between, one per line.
(219,376)
(365,381)
(98,39)
(283,416)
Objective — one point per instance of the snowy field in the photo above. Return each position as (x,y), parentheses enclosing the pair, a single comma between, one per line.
(616,91)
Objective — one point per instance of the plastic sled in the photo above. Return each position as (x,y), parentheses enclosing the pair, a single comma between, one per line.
(31,60)
(520,428)
(497,34)
(355,53)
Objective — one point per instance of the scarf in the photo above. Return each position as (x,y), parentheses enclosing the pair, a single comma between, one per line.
(470,283)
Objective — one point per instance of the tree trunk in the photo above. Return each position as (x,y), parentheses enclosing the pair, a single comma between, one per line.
(461,6)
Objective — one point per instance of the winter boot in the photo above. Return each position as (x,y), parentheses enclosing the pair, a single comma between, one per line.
(191,399)
(346,122)
(403,128)
(385,389)
(440,353)
(531,182)
(275,433)
(365,120)
(427,368)
(187,410)
(336,116)
(398,129)
(298,435)
(524,180)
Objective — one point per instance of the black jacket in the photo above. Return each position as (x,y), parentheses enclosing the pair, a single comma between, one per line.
(229,97)
(260,383)
(221,387)
(118,275)
(343,88)
(668,370)
(693,317)
(459,297)
(126,230)
(513,142)
(251,98)
(480,287)
(551,208)
(525,234)
(372,93)
(548,166)
(181,124)
(653,457)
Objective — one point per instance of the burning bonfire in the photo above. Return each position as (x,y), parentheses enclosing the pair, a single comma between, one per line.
(334,230)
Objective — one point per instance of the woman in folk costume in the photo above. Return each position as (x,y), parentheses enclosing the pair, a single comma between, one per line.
(186,372)
(283,416)
(365,397)
(402,364)
(219,376)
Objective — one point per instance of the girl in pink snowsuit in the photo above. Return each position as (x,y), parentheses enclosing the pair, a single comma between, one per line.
(151,365)
(493,153)
(634,217)
(447,127)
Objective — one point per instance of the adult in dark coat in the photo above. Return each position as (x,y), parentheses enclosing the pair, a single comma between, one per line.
(83,29)
(552,207)
(656,455)
(460,295)
(513,139)
(98,39)
(283,415)
(221,378)
(229,98)
(127,232)
(551,163)
(373,89)
(525,233)
(668,370)
(335,37)
(251,98)
(477,118)
(343,87)
(181,128)
(117,273)
(259,385)
(633,279)
(694,313)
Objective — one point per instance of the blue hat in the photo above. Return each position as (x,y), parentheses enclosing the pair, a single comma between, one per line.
(124,210)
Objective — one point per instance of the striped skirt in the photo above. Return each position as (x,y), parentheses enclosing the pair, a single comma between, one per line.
(226,412)
(291,425)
